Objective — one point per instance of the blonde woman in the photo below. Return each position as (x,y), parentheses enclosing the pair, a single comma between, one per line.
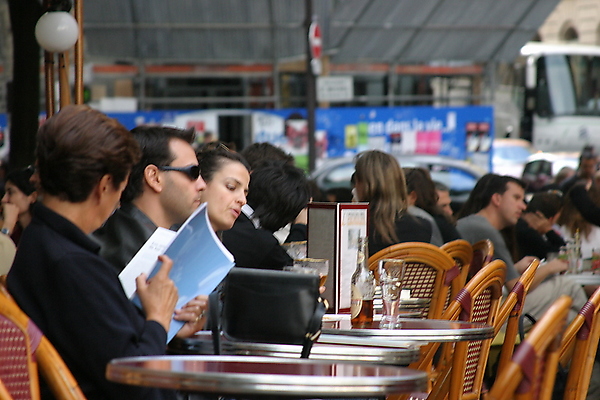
(379,180)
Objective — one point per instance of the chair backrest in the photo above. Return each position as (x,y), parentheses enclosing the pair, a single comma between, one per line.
(18,341)
(427,273)
(483,253)
(4,394)
(532,370)
(511,310)
(579,345)
(461,374)
(461,252)
(55,372)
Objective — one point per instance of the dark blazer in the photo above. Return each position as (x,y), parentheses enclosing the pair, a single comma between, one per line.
(254,247)
(408,228)
(75,297)
(123,235)
(447,228)
(532,243)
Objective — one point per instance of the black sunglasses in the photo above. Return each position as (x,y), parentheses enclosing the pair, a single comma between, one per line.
(192,171)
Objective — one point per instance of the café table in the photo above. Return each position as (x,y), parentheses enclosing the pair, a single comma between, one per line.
(265,377)
(201,343)
(340,331)
(584,278)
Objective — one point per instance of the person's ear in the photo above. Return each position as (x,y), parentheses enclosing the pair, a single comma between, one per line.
(153,178)
(102,187)
(33,197)
(495,200)
(412,197)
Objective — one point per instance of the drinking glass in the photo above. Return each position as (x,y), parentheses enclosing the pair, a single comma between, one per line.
(391,272)
(319,266)
(296,250)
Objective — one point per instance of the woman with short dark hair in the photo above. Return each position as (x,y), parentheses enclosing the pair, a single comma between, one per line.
(71,293)
(277,192)
(227,175)
(19,197)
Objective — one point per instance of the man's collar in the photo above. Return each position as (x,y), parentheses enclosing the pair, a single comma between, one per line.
(249,212)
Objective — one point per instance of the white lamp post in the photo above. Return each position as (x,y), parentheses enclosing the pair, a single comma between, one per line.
(57,31)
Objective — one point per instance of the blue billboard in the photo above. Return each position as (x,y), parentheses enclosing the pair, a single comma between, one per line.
(458,132)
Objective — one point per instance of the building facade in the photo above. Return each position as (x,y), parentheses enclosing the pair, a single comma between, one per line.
(573,21)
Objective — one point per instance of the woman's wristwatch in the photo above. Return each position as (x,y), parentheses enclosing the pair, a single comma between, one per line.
(6,231)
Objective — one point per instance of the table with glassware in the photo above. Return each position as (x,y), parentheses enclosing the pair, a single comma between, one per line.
(584,278)
(266,377)
(338,329)
(201,343)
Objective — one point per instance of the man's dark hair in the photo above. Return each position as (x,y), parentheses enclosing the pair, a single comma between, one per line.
(277,193)
(548,203)
(154,142)
(78,146)
(484,189)
(259,153)
(341,194)
(442,187)
(419,181)
(587,153)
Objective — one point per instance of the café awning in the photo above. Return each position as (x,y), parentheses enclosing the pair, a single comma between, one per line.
(269,31)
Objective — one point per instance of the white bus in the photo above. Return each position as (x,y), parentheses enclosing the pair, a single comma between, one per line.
(562,96)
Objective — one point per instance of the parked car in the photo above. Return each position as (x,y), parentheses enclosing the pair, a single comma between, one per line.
(541,168)
(460,176)
(510,156)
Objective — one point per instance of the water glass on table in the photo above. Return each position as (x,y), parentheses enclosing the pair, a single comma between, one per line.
(319,266)
(296,250)
(391,272)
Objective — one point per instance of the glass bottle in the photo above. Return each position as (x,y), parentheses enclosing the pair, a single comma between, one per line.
(578,257)
(362,288)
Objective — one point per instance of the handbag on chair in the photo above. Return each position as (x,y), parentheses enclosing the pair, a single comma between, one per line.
(268,306)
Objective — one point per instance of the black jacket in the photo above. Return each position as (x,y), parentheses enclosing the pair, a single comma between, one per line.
(123,234)
(254,247)
(75,297)
(408,228)
(532,243)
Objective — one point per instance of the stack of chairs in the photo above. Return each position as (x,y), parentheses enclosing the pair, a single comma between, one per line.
(461,252)
(483,253)
(578,348)
(460,371)
(532,370)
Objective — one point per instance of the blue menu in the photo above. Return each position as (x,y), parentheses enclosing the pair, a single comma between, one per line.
(200,261)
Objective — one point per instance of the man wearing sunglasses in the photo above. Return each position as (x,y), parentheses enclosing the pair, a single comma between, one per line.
(163,190)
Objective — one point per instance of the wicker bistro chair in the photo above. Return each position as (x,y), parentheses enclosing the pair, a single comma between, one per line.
(579,345)
(510,312)
(462,252)
(4,394)
(428,272)
(532,370)
(18,341)
(34,346)
(461,375)
(483,253)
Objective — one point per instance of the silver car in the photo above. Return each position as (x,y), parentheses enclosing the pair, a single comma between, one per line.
(460,176)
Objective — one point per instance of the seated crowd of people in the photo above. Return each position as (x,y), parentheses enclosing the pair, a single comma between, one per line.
(99,191)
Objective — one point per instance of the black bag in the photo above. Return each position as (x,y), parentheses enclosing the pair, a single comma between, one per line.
(268,306)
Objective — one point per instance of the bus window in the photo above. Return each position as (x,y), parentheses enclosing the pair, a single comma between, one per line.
(560,85)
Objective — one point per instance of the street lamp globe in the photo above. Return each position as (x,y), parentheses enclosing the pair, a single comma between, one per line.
(56,31)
